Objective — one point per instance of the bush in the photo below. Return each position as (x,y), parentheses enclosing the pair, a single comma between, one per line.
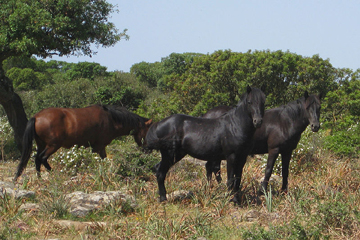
(78,159)
(131,162)
(7,142)
(345,142)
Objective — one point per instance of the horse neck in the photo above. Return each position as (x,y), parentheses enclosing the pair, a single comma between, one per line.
(121,130)
(299,119)
(242,116)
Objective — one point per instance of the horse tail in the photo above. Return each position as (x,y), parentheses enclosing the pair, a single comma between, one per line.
(28,137)
(151,139)
(154,142)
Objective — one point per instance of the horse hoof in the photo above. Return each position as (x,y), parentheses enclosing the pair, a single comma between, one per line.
(284,191)
(235,200)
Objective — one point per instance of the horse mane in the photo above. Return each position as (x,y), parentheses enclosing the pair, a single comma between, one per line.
(257,95)
(293,109)
(124,116)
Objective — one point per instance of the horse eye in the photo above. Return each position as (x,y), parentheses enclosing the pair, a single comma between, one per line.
(248,102)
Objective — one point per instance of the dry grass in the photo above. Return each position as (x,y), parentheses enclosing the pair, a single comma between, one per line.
(322,203)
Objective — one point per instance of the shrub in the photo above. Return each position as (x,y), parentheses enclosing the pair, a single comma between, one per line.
(78,159)
(345,142)
(6,135)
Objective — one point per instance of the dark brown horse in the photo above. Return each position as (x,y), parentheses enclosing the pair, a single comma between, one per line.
(279,134)
(94,126)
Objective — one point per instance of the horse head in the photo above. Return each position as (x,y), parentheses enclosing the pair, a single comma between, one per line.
(312,108)
(140,134)
(255,103)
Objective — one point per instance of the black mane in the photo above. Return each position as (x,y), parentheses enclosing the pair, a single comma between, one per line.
(292,109)
(124,116)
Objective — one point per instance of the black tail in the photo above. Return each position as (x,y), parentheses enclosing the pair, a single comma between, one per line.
(28,137)
(153,142)
(151,139)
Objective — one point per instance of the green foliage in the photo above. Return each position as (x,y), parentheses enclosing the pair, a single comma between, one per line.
(342,105)
(25,79)
(117,89)
(259,234)
(342,115)
(26,73)
(8,148)
(78,159)
(148,73)
(63,94)
(56,206)
(6,134)
(345,142)
(122,89)
(159,73)
(86,70)
(307,151)
(20,62)
(206,81)
(127,96)
(55,27)
(335,213)
(133,163)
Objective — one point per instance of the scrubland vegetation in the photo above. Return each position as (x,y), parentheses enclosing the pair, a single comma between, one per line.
(322,202)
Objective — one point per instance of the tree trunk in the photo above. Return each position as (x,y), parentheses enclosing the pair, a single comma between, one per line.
(13,107)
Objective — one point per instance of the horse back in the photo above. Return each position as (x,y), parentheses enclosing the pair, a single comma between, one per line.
(217,111)
(70,126)
(275,132)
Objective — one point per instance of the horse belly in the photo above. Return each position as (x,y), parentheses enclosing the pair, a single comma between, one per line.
(92,135)
(201,148)
(259,147)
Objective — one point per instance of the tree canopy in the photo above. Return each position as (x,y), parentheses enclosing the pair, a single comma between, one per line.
(44,28)
(195,83)
(63,27)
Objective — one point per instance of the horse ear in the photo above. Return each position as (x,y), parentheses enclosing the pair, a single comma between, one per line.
(298,101)
(148,123)
(306,94)
(321,95)
(263,88)
(248,89)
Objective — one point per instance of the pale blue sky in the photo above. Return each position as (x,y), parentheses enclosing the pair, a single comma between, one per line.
(158,28)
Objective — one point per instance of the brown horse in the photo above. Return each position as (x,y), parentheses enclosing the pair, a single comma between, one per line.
(94,126)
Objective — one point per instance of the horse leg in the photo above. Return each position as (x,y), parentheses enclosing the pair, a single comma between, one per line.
(217,171)
(167,159)
(213,167)
(285,158)
(273,154)
(155,168)
(230,171)
(209,170)
(99,150)
(102,153)
(237,166)
(39,153)
(238,173)
(43,156)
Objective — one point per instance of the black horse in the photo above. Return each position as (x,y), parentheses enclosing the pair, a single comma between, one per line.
(214,166)
(279,134)
(227,137)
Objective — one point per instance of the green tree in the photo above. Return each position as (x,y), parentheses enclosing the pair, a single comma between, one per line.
(87,70)
(46,28)
(24,79)
(149,73)
(220,78)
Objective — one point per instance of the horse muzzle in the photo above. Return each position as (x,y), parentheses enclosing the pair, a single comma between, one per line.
(257,122)
(315,127)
